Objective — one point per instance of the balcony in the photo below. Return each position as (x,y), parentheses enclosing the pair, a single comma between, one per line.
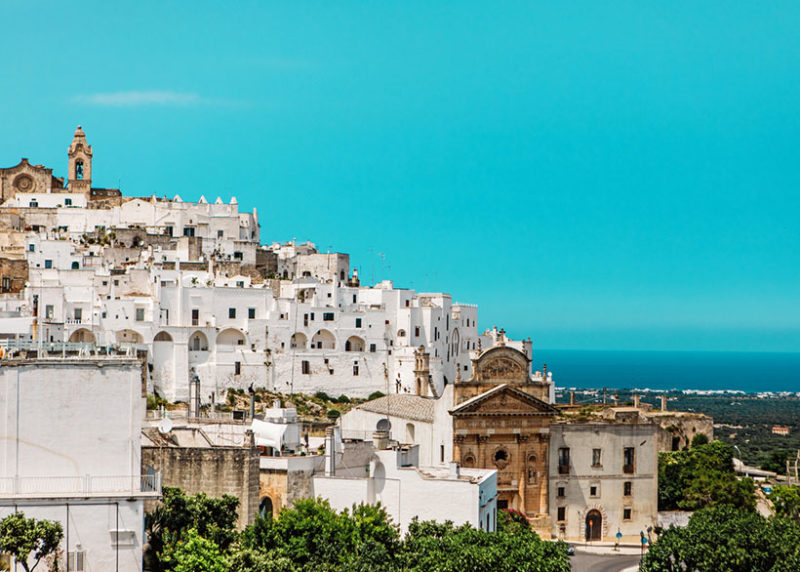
(628,469)
(85,486)
(563,469)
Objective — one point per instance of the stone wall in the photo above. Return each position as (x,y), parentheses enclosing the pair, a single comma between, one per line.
(215,471)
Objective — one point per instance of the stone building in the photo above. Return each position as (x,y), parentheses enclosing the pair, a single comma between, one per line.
(206,458)
(501,421)
(603,479)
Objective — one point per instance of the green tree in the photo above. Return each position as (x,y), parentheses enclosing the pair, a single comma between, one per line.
(786,500)
(444,547)
(701,477)
(20,536)
(213,519)
(726,539)
(699,439)
(312,536)
(193,553)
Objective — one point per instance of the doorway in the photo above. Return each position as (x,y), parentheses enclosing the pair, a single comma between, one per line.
(594,525)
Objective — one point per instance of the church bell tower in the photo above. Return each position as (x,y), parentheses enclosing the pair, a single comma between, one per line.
(80,163)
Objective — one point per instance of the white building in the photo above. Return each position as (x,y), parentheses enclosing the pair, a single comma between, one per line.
(70,452)
(406,490)
(190,284)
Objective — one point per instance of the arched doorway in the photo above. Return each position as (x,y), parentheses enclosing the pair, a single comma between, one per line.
(265,508)
(594,525)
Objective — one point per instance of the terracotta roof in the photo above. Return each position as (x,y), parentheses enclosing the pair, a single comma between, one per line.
(400,405)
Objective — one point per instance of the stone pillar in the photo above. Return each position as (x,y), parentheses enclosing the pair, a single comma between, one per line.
(663,403)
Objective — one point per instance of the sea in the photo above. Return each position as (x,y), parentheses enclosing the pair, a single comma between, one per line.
(751,372)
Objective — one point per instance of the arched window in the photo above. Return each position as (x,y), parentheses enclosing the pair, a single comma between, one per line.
(79,170)
(354,344)
(323,340)
(198,342)
(162,337)
(468,460)
(401,333)
(265,508)
(76,265)
(410,433)
(298,341)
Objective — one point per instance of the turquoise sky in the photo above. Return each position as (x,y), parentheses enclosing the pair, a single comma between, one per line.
(592,174)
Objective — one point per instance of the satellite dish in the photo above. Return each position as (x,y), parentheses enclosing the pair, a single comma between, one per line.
(165,426)
(384,425)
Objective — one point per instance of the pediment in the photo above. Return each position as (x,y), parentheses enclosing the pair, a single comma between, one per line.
(502,363)
(504,400)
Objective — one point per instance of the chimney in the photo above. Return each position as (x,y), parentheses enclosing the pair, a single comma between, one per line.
(663,403)
(572,398)
(455,471)
(330,452)
(380,440)
(636,400)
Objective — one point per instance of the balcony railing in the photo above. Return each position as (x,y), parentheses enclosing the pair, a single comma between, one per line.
(627,469)
(563,469)
(93,485)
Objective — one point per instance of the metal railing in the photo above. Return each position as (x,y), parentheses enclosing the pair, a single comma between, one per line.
(85,485)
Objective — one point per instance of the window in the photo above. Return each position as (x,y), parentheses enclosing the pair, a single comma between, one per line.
(626,514)
(34,204)
(416,331)
(78,314)
(358,322)
(594,491)
(6,284)
(596,459)
(195,316)
(231,313)
(237,368)
(140,314)
(48,263)
(188,231)
(372,348)
(48,311)
(237,255)
(627,488)
(327,317)
(305,319)
(240,284)
(562,514)
(168,230)
(31,248)
(68,202)
(561,492)
(305,367)
(441,453)
(563,461)
(220,233)
(75,560)
(628,460)
(79,170)
(76,265)
(251,313)
(354,298)
(355,368)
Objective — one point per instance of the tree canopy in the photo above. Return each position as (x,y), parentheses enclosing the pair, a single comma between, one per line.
(197,534)
(726,539)
(26,538)
(702,477)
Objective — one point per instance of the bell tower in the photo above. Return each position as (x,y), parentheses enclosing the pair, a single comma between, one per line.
(80,163)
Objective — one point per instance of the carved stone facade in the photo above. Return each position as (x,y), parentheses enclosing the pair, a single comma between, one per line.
(501,421)
(27,178)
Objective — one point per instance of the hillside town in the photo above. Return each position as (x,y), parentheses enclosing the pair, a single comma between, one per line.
(153,342)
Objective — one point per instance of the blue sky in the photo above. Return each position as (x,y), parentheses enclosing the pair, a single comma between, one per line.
(593,175)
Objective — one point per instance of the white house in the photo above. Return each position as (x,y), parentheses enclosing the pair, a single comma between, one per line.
(70,452)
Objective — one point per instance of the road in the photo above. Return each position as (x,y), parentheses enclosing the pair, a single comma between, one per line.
(583,562)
